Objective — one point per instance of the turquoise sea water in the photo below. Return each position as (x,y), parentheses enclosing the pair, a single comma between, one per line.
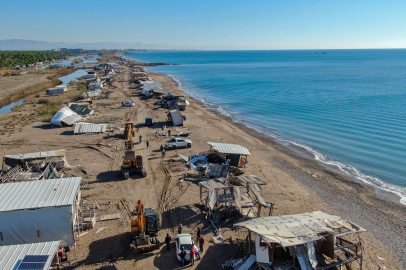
(346,107)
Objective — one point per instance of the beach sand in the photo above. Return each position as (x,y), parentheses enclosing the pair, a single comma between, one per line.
(295,184)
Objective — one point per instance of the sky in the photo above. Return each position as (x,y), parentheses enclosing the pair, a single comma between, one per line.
(211,24)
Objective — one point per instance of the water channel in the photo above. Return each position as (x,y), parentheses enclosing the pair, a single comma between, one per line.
(64,79)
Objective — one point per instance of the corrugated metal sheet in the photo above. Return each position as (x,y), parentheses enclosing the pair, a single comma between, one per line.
(292,230)
(229,148)
(46,154)
(71,119)
(11,255)
(81,128)
(38,194)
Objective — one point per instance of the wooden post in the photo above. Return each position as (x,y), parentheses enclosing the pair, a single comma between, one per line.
(259,210)
(271,209)
(249,242)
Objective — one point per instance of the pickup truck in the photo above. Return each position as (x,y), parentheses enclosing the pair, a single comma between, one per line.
(178,142)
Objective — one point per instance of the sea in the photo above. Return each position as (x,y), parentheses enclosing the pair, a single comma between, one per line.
(344,108)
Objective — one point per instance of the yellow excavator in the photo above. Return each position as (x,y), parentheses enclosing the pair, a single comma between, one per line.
(129,129)
(132,163)
(144,226)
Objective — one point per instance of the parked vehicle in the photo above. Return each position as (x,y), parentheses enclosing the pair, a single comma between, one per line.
(128,104)
(183,240)
(178,142)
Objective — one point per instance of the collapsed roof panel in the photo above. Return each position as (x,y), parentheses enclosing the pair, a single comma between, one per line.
(38,155)
(227,148)
(291,230)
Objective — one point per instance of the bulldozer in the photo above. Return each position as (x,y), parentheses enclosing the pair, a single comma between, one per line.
(145,225)
(132,163)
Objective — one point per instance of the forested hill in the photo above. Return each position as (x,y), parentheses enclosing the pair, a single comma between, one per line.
(12,58)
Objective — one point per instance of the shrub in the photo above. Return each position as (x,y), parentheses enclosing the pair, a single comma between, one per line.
(75,95)
(57,100)
(48,110)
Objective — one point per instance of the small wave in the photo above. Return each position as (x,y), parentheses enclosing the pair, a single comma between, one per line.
(352,171)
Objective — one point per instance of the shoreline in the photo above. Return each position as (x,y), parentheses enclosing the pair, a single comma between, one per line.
(295,184)
(305,170)
(344,194)
(304,150)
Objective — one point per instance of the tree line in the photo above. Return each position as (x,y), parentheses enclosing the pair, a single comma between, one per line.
(13,58)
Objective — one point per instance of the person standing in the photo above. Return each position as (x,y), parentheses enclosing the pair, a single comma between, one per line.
(180,228)
(182,256)
(201,243)
(199,232)
(192,254)
(140,138)
(168,241)
(197,252)
(147,143)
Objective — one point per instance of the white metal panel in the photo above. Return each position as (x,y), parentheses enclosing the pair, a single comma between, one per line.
(65,115)
(38,225)
(37,194)
(12,254)
(229,148)
(176,117)
(89,128)
(46,154)
(261,252)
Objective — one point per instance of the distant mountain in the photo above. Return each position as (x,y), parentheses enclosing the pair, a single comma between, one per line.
(23,44)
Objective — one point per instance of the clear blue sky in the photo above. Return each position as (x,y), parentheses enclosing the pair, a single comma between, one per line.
(211,24)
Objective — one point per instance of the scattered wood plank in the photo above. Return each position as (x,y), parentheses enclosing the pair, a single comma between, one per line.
(110,217)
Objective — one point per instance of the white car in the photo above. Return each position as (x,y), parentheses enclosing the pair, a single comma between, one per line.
(178,142)
(128,104)
(183,240)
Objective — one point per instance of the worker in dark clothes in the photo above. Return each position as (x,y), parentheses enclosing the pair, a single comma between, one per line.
(199,232)
(180,228)
(147,143)
(182,256)
(168,241)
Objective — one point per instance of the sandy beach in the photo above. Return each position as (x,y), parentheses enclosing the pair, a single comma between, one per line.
(295,183)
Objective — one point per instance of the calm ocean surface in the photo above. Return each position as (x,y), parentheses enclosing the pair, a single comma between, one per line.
(346,107)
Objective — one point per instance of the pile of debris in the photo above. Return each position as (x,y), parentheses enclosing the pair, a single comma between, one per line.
(33,166)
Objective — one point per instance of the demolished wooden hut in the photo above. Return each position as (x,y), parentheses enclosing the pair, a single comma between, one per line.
(315,240)
(33,166)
